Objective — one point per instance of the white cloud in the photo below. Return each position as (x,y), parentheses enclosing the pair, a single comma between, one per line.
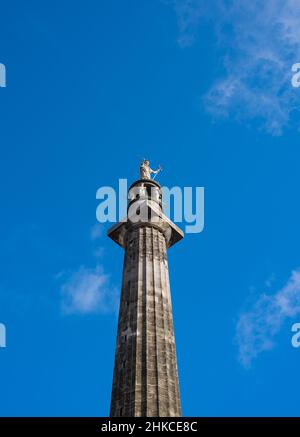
(99,252)
(96,231)
(87,290)
(259,42)
(189,12)
(257,328)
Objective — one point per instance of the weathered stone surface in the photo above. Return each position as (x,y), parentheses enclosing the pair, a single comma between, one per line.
(145,381)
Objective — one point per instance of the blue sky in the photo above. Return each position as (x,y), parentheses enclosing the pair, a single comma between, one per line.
(203,88)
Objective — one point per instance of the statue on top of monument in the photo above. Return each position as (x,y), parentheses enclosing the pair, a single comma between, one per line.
(146,171)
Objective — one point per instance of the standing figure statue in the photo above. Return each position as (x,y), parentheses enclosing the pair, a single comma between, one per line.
(146,171)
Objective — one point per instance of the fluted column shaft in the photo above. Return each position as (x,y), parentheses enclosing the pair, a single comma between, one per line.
(145,374)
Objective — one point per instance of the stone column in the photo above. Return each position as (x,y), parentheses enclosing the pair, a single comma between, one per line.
(145,381)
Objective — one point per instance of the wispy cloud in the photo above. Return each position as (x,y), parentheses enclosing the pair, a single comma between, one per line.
(96,231)
(87,290)
(258,41)
(189,13)
(99,252)
(256,329)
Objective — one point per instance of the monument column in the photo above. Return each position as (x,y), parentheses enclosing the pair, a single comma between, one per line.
(145,381)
